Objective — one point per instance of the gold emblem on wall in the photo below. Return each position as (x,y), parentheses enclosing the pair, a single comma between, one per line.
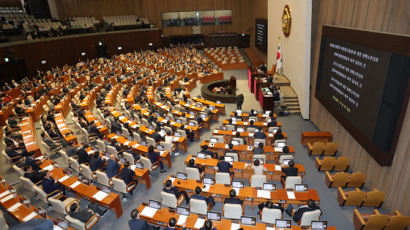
(286,21)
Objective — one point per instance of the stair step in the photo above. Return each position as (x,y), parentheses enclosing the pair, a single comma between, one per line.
(294,112)
(293,107)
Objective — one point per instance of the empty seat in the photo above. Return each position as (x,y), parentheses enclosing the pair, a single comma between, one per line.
(222,178)
(232,211)
(316,148)
(257,181)
(193,173)
(291,181)
(327,164)
(375,221)
(374,198)
(356,180)
(339,179)
(269,215)
(342,164)
(330,149)
(350,198)
(308,217)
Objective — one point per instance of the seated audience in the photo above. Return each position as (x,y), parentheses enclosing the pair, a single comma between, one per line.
(171,189)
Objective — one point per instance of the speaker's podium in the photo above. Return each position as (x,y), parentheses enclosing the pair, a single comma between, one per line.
(266,99)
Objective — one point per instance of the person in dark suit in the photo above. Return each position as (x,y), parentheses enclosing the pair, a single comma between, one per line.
(156,136)
(230,149)
(191,164)
(34,176)
(232,199)
(251,124)
(96,162)
(126,174)
(238,135)
(289,171)
(270,205)
(49,184)
(83,156)
(112,166)
(92,129)
(223,166)
(115,126)
(154,157)
(272,122)
(207,226)
(297,214)
(12,153)
(35,164)
(278,135)
(71,150)
(136,223)
(81,215)
(208,152)
(198,196)
(171,189)
(259,134)
(239,101)
(259,149)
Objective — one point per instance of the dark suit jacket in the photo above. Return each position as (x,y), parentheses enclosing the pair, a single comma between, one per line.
(259,135)
(34,176)
(272,124)
(258,151)
(12,153)
(232,201)
(299,213)
(93,130)
(290,171)
(137,224)
(112,168)
(49,185)
(156,137)
(96,163)
(34,163)
(153,157)
(127,175)
(83,156)
(172,190)
(278,136)
(224,166)
(82,215)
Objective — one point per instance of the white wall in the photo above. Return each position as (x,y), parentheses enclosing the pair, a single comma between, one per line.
(295,48)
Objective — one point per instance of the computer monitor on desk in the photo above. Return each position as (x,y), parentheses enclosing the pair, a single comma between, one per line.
(319,225)
(237,184)
(248,220)
(208,180)
(282,223)
(183,211)
(215,216)
(182,176)
(155,204)
(301,187)
(235,142)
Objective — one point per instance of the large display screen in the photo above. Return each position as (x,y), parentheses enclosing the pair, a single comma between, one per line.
(363,80)
(261,34)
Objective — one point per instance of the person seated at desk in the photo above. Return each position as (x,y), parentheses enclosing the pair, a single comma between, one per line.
(278,135)
(136,223)
(189,133)
(253,113)
(259,149)
(50,142)
(238,135)
(257,168)
(71,150)
(223,166)
(154,157)
(272,122)
(297,214)
(270,205)
(83,156)
(13,153)
(49,184)
(289,171)
(13,122)
(116,145)
(172,223)
(127,175)
(112,166)
(18,109)
(156,136)
(116,126)
(232,199)
(81,215)
(191,164)
(35,164)
(171,189)
(230,149)
(92,129)
(34,176)
(198,196)
(207,226)
(251,124)
(96,162)
(259,134)
(235,115)
(208,152)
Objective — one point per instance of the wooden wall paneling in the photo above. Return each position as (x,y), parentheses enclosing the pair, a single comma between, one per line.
(376,15)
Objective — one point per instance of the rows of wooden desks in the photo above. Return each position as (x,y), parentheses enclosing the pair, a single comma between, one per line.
(81,190)
(245,152)
(90,117)
(250,195)
(229,134)
(141,149)
(246,116)
(193,221)
(197,109)
(219,106)
(264,125)
(36,110)
(181,141)
(64,129)
(243,170)
(29,138)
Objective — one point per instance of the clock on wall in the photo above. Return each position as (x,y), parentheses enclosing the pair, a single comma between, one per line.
(286,21)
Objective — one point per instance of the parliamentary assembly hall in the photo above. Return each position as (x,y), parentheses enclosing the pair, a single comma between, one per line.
(204,114)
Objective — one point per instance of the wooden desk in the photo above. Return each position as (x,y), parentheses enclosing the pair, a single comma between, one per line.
(266,99)
(162,216)
(5,113)
(35,111)
(112,200)
(243,170)
(28,133)
(138,148)
(219,106)
(211,77)
(247,194)
(245,153)
(199,109)
(247,115)
(230,134)
(264,125)
(90,117)
(315,136)
(64,129)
